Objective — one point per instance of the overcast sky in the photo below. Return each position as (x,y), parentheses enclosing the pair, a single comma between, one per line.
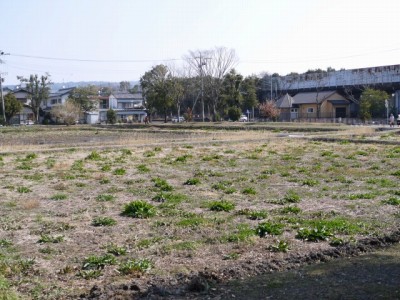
(78,40)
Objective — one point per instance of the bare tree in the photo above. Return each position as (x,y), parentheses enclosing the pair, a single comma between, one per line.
(39,90)
(211,67)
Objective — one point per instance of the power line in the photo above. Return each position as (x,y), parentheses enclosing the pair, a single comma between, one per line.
(95,60)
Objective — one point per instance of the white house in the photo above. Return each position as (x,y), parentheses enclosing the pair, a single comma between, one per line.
(56,98)
(128,107)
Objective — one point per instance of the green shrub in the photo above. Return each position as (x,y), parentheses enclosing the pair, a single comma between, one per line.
(103,221)
(291,197)
(234,113)
(78,165)
(5,243)
(280,246)
(314,234)
(116,250)
(143,168)
(105,198)
(135,266)
(119,171)
(220,185)
(242,234)
(222,205)
(291,210)
(89,274)
(183,158)
(106,168)
(44,238)
(126,152)
(23,190)
(310,182)
(94,156)
(192,181)
(50,163)
(30,156)
(59,197)
(253,214)
(265,228)
(162,184)
(362,196)
(249,191)
(104,180)
(24,166)
(94,262)
(396,173)
(149,154)
(392,201)
(194,221)
(139,209)
(232,255)
(169,200)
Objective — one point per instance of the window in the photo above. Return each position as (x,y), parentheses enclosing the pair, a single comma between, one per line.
(310,110)
(104,104)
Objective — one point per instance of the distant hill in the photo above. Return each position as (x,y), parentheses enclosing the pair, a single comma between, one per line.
(59,85)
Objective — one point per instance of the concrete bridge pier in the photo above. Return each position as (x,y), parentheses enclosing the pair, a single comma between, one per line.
(397,100)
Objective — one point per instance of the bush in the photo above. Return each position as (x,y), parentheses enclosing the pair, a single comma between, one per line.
(135,266)
(44,238)
(192,181)
(234,113)
(111,116)
(222,205)
(105,197)
(269,228)
(103,221)
(392,201)
(249,191)
(280,246)
(315,234)
(98,262)
(291,197)
(94,155)
(162,184)
(59,197)
(139,209)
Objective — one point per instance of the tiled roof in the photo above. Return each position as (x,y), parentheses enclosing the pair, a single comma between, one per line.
(285,101)
(311,98)
(123,96)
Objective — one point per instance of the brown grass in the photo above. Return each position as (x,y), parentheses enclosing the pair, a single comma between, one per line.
(185,236)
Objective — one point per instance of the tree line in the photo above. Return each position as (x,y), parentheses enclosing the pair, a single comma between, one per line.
(205,87)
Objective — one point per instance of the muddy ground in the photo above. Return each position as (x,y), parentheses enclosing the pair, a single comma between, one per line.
(369,269)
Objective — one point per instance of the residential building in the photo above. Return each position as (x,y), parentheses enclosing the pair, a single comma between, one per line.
(26,115)
(313,105)
(56,98)
(128,107)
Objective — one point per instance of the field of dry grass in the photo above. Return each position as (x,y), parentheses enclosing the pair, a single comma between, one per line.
(85,206)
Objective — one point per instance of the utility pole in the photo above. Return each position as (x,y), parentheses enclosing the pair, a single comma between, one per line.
(202,63)
(1,88)
(2,99)
(271,87)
